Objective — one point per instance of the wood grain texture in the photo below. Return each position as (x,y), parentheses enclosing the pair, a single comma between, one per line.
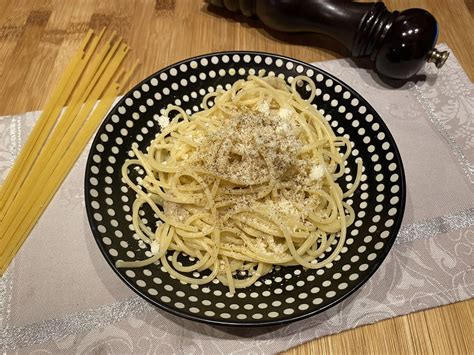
(37,37)
(443,330)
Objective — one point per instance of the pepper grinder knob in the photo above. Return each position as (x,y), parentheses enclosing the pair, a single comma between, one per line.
(399,43)
(437,57)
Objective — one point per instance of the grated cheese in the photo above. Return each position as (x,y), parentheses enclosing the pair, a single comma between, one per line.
(266,245)
(317,172)
(283,127)
(287,206)
(263,107)
(281,206)
(285,113)
(163,121)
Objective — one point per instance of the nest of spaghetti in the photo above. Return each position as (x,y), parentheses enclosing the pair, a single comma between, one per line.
(247,183)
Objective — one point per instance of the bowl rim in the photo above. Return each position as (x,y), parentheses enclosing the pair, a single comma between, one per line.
(374,265)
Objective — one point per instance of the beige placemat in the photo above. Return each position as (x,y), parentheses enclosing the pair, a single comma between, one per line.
(59,295)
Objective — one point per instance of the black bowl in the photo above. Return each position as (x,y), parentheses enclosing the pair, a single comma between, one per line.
(287,293)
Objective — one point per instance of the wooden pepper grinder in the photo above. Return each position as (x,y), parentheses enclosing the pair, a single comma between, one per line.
(398,42)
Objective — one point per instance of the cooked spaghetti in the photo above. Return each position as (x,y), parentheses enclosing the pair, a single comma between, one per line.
(245,184)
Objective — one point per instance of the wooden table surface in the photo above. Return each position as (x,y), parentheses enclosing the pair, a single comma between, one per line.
(38,36)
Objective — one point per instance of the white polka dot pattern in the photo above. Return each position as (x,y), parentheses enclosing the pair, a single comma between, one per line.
(288,292)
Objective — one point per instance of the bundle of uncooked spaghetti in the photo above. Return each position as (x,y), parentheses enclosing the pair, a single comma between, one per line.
(83,95)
